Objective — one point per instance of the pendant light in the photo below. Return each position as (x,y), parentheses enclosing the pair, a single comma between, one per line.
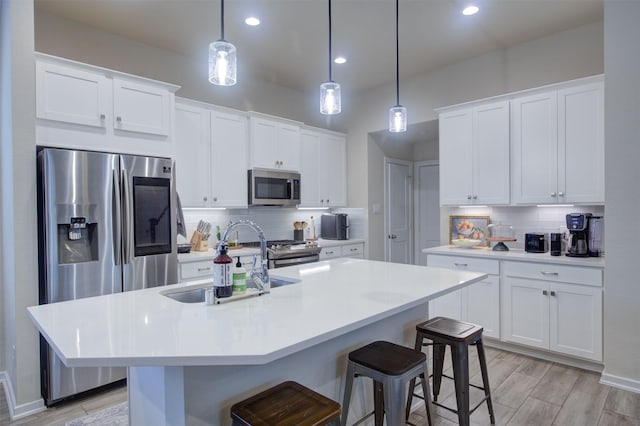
(398,113)
(330,90)
(222,58)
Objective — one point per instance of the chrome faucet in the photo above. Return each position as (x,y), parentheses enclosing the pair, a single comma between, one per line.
(259,275)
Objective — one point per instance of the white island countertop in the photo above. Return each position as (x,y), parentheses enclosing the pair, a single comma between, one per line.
(518,255)
(145,328)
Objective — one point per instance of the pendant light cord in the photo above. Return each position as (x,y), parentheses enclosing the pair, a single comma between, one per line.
(330,79)
(222,20)
(397,61)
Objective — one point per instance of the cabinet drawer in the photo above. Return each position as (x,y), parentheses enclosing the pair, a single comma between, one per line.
(330,252)
(487,266)
(353,250)
(554,273)
(195,270)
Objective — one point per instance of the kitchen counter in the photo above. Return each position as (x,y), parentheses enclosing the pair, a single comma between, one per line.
(516,255)
(194,361)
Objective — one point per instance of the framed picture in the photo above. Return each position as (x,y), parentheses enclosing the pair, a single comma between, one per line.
(472,227)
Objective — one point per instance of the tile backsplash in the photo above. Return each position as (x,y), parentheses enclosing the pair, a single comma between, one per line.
(276,222)
(528,218)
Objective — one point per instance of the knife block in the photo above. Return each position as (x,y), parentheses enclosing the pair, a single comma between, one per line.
(198,243)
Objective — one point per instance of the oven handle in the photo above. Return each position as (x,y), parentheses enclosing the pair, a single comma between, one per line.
(281,263)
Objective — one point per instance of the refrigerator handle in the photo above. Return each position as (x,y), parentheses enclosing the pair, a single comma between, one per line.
(117,218)
(127,233)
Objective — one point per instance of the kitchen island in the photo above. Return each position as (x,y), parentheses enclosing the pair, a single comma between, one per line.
(188,363)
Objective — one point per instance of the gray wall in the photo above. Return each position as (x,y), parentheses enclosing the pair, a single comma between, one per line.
(19,274)
(622,153)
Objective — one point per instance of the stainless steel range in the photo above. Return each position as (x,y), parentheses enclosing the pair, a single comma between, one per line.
(283,253)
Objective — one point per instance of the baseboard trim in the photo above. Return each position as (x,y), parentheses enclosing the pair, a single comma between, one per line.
(545,355)
(630,385)
(22,410)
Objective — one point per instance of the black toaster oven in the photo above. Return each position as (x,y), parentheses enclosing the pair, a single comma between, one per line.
(536,243)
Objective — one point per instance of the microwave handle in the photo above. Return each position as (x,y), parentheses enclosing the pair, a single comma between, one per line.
(291,188)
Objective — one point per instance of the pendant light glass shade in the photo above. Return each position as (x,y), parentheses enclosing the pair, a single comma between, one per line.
(330,90)
(222,58)
(398,119)
(398,113)
(222,63)
(330,98)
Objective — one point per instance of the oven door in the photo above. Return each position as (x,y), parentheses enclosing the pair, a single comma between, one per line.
(291,261)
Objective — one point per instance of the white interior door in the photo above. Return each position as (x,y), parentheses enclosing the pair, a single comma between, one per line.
(427,208)
(398,211)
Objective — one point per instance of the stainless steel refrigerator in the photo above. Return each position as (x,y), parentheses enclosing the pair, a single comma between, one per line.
(106,224)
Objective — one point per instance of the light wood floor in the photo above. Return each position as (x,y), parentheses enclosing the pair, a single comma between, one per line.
(525,391)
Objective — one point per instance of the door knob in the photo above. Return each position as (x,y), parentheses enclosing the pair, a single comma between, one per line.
(393,236)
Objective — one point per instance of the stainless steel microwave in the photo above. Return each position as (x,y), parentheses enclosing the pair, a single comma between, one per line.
(273,187)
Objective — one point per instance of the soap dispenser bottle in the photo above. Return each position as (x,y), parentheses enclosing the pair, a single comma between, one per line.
(239,279)
(222,284)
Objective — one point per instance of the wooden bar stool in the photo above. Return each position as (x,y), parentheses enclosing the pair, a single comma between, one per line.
(391,367)
(286,404)
(458,336)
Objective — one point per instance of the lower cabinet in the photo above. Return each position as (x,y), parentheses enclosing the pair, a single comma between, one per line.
(200,269)
(478,303)
(355,250)
(553,307)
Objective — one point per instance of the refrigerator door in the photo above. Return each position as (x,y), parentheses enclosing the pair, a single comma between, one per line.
(149,254)
(79,250)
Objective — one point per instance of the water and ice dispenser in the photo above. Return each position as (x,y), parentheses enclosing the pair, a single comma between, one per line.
(77,236)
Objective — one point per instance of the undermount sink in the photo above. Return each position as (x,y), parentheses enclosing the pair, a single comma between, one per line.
(197,295)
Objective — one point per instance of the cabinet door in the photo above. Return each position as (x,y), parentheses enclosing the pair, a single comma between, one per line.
(332,158)
(456,157)
(310,168)
(534,144)
(491,153)
(289,146)
(581,144)
(330,252)
(229,159)
(481,305)
(192,155)
(353,250)
(576,320)
(72,96)
(263,135)
(141,108)
(525,312)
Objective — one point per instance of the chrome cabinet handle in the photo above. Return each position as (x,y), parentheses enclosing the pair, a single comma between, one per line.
(553,194)
(353,249)
(549,273)
(468,197)
(102,116)
(560,194)
(544,292)
(393,236)
(460,265)
(204,198)
(475,197)
(215,199)
(204,269)
(328,252)
(119,119)
(553,293)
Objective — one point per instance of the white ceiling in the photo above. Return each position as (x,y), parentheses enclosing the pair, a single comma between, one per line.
(290,47)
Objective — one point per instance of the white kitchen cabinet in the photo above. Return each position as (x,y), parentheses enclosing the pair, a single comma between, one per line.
(141,108)
(81,106)
(330,252)
(211,155)
(478,303)
(323,168)
(553,307)
(474,154)
(192,155)
(558,146)
(274,143)
(344,249)
(353,250)
(190,271)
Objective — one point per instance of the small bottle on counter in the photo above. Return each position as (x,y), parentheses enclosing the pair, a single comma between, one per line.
(222,280)
(239,278)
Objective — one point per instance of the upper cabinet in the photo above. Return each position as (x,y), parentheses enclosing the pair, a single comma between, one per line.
(87,107)
(558,146)
(474,154)
(211,155)
(323,168)
(274,143)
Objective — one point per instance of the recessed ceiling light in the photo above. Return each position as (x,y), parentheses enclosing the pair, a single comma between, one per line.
(252,21)
(470,10)
(340,60)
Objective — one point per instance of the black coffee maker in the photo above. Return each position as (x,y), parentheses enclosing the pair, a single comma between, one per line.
(578,226)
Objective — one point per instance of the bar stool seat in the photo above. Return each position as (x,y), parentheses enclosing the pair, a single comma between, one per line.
(390,366)
(458,335)
(286,404)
